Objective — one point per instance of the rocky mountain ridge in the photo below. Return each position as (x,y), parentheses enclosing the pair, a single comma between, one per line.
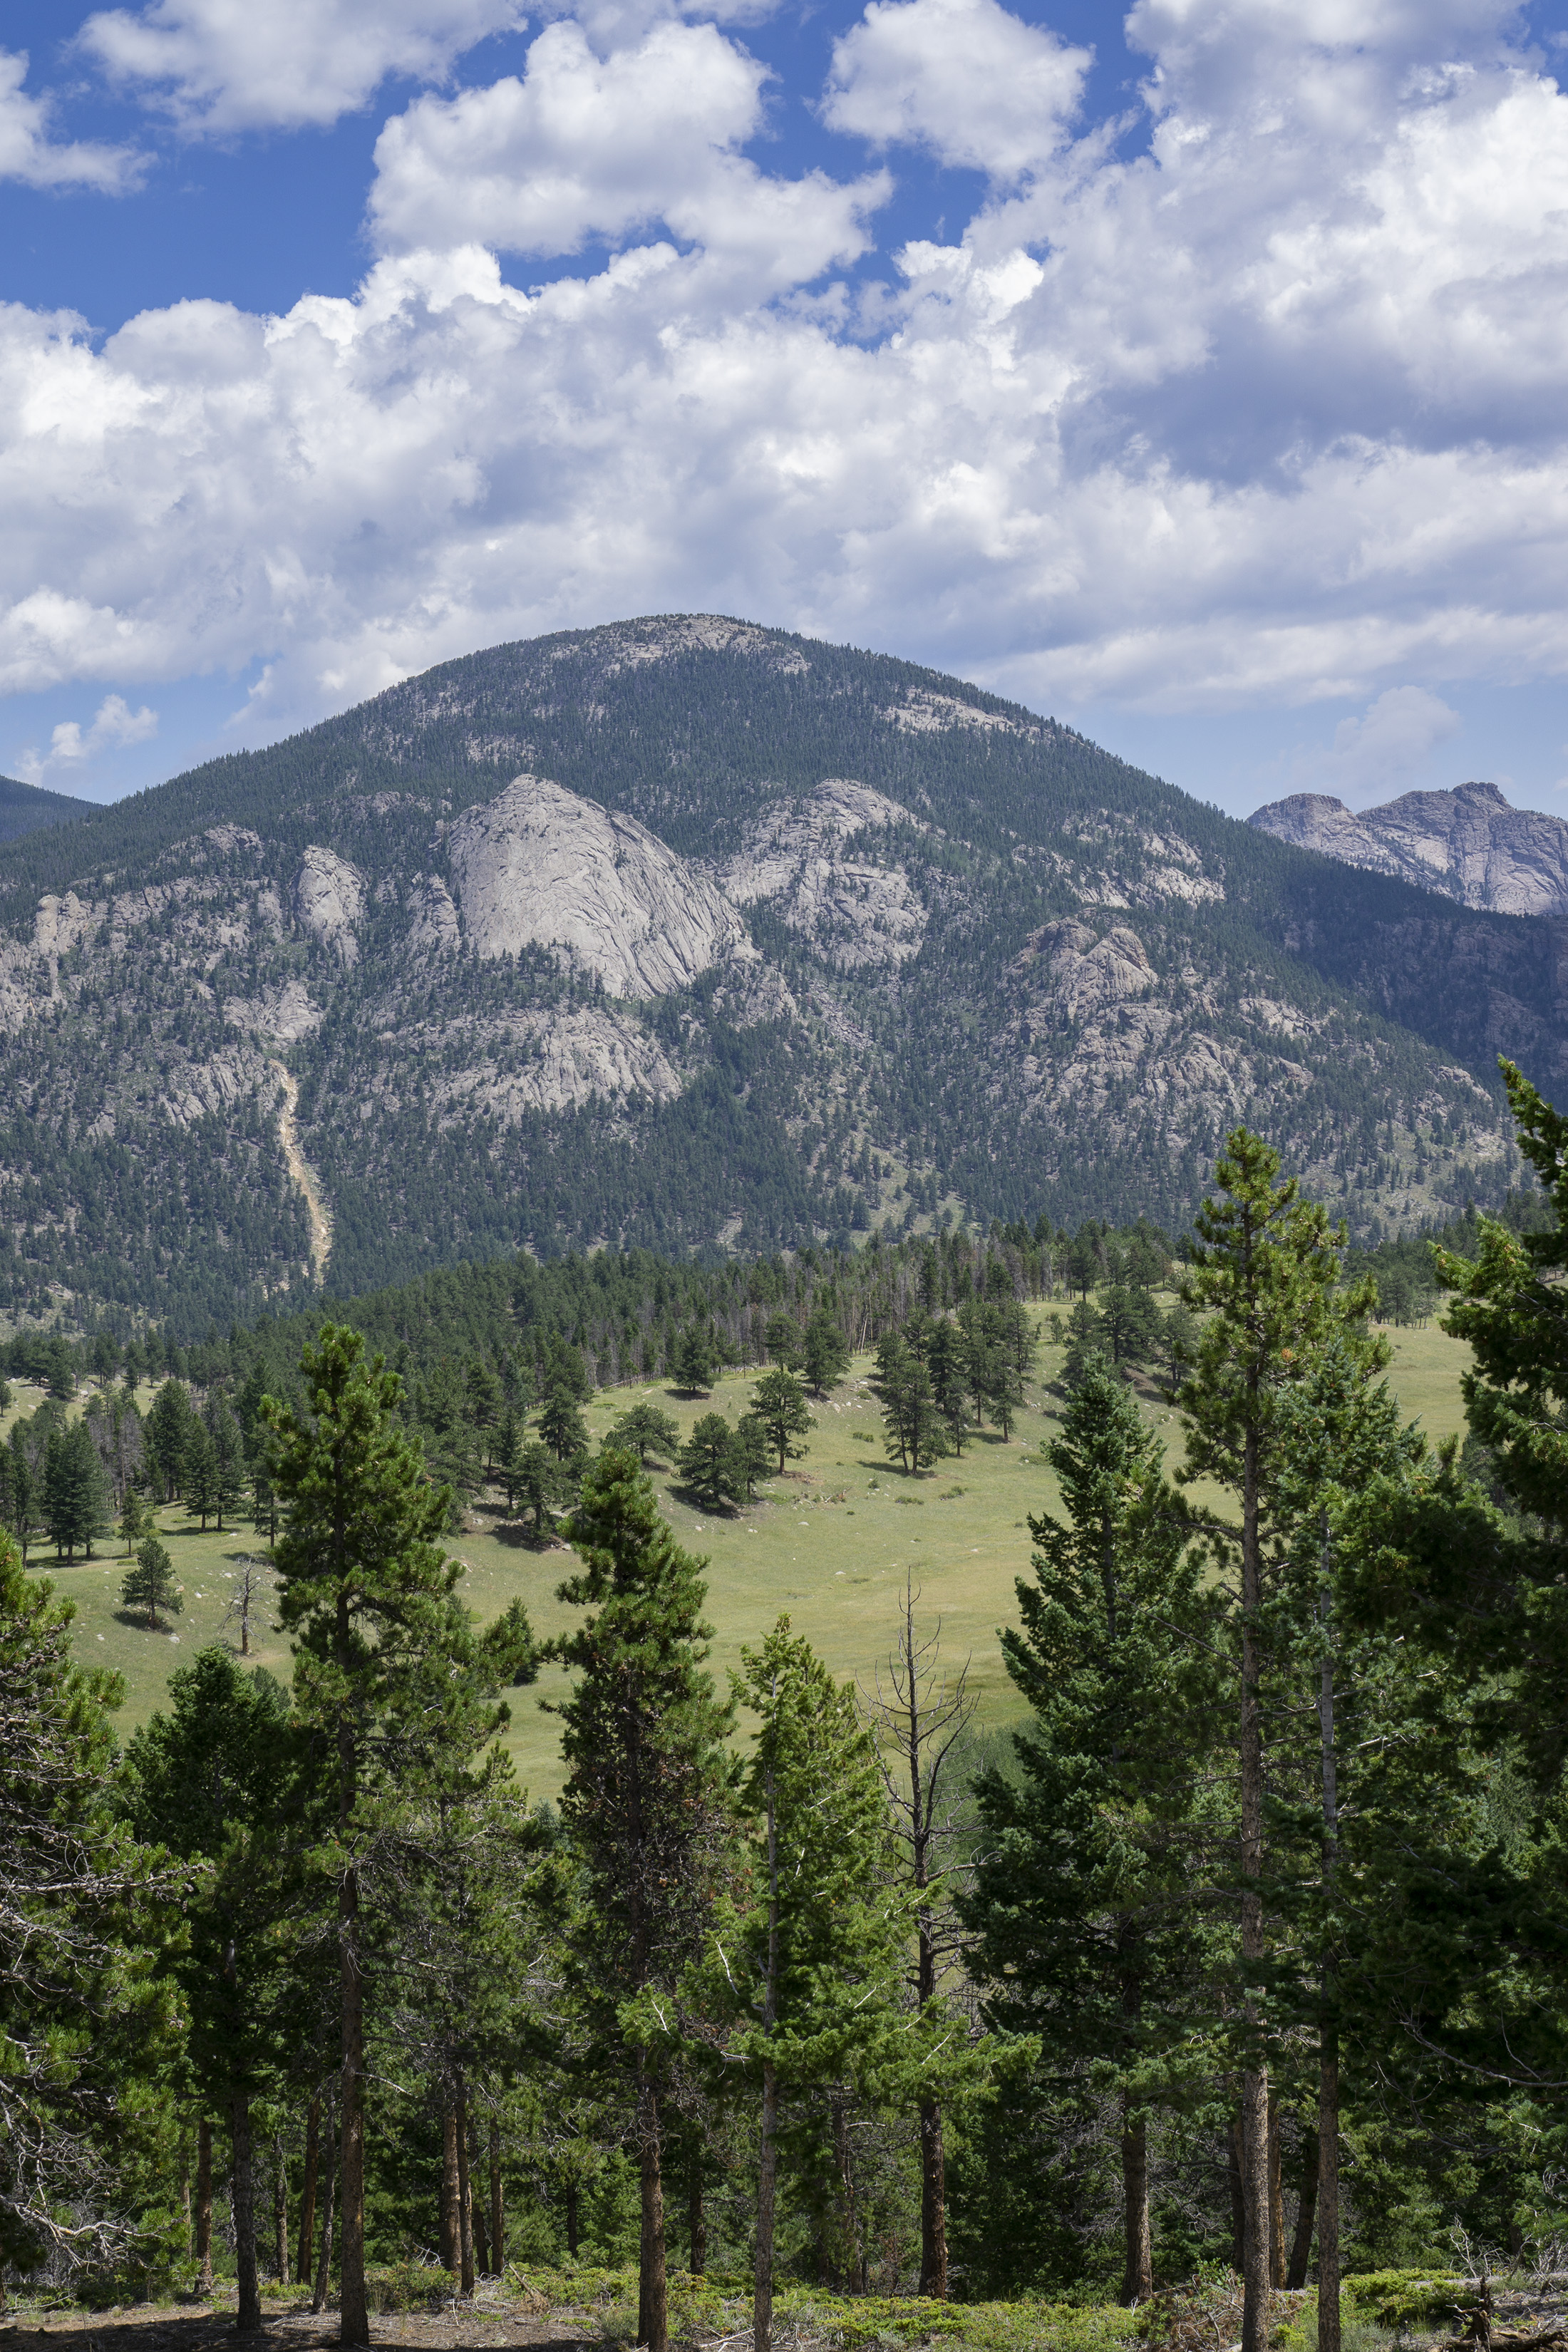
(1471,844)
(692,934)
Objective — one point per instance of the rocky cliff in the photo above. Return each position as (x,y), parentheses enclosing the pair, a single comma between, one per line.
(1471,844)
(693,934)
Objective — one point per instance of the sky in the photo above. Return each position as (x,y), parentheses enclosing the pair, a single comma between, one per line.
(1195,373)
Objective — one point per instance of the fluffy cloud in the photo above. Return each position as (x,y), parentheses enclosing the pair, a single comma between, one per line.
(964,77)
(30,153)
(589,147)
(1272,410)
(1377,754)
(222,65)
(114,725)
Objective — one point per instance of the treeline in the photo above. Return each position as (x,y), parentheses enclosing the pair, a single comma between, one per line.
(1245,1947)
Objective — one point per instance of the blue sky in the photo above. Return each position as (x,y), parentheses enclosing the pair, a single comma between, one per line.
(1195,373)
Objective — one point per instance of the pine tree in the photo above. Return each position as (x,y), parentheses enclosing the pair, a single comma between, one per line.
(136,1518)
(211,1780)
(693,1361)
(229,1463)
(645,1799)
(92,2042)
(75,1492)
(202,1479)
(1266,1277)
(645,1431)
(367,1595)
(819,1956)
(784,1341)
(778,1403)
(706,1461)
(149,1583)
(561,1424)
(749,1456)
(825,1353)
(913,1430)
(1072,1901)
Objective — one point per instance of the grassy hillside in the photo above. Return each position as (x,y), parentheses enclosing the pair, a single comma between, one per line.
(832,1542)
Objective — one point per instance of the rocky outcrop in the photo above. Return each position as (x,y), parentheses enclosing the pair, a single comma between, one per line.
(328,899)
(538,866)
(558,1061)
(856,911)
(1471,844)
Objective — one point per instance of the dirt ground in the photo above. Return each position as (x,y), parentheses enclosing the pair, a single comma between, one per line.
(178,2328)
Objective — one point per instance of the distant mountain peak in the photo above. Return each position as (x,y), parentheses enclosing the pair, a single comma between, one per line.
(1470,842)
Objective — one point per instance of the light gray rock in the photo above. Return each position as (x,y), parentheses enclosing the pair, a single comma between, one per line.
(1070,975)
(280,1017)
(328,899)
(538,866)
(1471,844)
(434,929)
(856,911)
(558,1061)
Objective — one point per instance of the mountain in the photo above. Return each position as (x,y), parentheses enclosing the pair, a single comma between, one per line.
(1471,844)
(694,935)
(25,807)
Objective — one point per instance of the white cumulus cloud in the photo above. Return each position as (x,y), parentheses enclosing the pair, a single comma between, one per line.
(1375,756)
(30,152)
(230,65)
(113,726)
(965,78)
(585,146)
(1270,411)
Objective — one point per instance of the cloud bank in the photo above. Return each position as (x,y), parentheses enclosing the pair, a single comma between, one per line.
(1261,400)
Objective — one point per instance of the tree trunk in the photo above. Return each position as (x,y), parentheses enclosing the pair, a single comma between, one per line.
(933,2203)
(185,2197)
(1138,2277)
(767,2185)
(572,2231)
(249,2320)
(280,2210)
(324,2267)
(1275,2195)
(497,2202)
(308,2194)
(652,2329)
(1306,2213)
(696,2216)
(476,2208)
(1328,2037)
(203,2207)
(451,2249)
(353,2307)
(464,2199)
(1255,2078)
(767,2174)
(1237,2205)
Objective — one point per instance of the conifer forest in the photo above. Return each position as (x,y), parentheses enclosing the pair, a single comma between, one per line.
(1232,1963)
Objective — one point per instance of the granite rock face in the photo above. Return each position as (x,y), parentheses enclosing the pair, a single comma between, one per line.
(856,911)
(1471,844)
(538,866)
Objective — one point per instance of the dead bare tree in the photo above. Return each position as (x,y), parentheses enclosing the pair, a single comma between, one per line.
(252,1584)
(919,1716)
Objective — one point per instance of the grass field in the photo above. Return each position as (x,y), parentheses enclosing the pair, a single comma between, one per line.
(832,1542)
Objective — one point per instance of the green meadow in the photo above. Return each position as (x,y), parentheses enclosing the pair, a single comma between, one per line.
(833,1542)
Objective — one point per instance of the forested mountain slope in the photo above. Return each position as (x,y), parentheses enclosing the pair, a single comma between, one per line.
(25,807)
(688,934)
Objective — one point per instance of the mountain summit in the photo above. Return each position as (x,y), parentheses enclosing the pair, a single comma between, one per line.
(1471,844)
(689,934)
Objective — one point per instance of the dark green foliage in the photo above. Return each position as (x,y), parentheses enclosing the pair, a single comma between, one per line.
(92,2042)
(779,1408)
(912,1426)
(693,1362)
(150,1583)
(646,1430)
(705,1462)
(825,1353)
(75,1492)
(561,1426)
